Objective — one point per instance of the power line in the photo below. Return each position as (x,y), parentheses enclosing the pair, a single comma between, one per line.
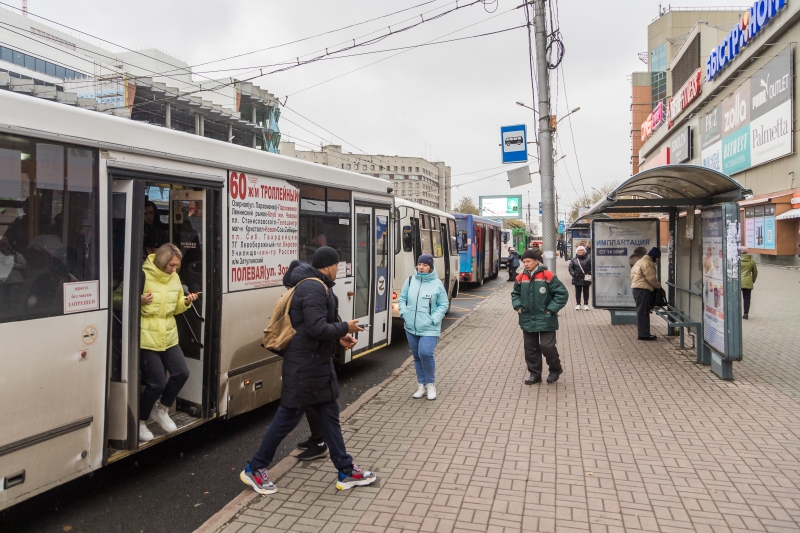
(571,133)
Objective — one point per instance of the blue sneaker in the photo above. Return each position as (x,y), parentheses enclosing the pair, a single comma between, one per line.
(356,478)
(258,479)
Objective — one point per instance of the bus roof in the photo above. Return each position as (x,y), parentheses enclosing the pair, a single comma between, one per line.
(35,117)
(405,203)
(476,218)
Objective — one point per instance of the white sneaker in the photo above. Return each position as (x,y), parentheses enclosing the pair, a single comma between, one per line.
(578,307)
(420,392)
(585,307)
(145,435)
(161,415)
(431,391)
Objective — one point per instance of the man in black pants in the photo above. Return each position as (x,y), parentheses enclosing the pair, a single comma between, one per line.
(308,375)
(644,280)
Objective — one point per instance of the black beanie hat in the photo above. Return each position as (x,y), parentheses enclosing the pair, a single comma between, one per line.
(426,259)
(654,252)
(532,254)
(325,256)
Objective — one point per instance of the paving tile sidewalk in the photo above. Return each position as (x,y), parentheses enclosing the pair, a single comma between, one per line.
(634,437)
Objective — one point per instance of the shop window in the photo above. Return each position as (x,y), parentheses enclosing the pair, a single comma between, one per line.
(325,221)
(48,225)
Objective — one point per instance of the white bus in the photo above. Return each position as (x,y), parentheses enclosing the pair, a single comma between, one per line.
(423,230)
(73,188)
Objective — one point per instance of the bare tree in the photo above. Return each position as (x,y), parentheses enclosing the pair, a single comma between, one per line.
(591,199)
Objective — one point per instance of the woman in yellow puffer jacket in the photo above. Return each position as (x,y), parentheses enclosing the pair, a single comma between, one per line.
(162,299)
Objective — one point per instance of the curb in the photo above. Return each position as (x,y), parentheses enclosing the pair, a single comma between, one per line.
(224,515)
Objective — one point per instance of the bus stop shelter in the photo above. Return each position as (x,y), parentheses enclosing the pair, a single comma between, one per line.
(703,253)
(579,232)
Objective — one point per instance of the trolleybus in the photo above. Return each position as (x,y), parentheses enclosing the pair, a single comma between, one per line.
(73,188)
(479,248)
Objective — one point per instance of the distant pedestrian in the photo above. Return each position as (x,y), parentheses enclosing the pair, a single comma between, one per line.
(644,280)
(308,376)
(749,273)
(513,263)
(422,304)
(560,247)
(537,297)
(580,268)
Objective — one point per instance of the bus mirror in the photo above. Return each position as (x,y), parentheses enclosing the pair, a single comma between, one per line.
(408,239)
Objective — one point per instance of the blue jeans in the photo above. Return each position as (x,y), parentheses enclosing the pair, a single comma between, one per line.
(424,361)
(287,418)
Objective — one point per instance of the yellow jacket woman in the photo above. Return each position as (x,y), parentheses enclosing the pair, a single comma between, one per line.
(160,352)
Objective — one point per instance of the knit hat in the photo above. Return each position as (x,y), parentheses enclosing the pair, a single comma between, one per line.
(324,257)
(511,249)
(654,252)
(580,249)
(426,259)
(533,254)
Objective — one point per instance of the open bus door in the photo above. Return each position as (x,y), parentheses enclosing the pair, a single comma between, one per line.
(192,225)
(372,278)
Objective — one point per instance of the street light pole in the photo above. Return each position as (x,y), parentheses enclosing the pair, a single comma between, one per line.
(546,165)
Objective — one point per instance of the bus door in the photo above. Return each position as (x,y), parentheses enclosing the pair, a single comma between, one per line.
(184,216)
(371,305)
(479,254)
(492,249)
(446,244)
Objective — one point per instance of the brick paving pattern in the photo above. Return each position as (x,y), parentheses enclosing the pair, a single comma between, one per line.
(634,436)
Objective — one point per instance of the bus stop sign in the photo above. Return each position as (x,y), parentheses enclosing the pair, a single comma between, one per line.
(514,143)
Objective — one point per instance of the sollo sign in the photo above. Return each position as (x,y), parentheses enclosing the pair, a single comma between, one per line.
(750,25)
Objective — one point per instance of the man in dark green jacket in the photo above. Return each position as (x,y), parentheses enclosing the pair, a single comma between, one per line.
(538,296)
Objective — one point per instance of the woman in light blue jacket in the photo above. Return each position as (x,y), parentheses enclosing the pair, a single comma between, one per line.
(423,303)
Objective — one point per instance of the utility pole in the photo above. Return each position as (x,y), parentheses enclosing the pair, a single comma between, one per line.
(546,170)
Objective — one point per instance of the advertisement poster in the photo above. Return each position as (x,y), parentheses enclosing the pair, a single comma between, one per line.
(263,230)
(759,227)
(500,206)
(618,245)
(754,124)
(577,237)
(713,293)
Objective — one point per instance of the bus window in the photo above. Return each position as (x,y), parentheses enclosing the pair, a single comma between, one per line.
(462,240)
(451,225)
(48,227)
(426,241)
(438,245)
(321,222)
(505,237)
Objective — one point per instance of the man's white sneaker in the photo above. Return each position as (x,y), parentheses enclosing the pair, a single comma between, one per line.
(585,307)
(420,392)
(145,435)
(431,391)
(578,307)
(160,415)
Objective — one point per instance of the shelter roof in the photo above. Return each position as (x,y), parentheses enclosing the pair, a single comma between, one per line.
(672,186)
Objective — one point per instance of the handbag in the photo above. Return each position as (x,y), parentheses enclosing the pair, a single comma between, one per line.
(586,277)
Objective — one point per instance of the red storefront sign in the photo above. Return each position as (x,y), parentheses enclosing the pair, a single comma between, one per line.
(653,121)
(685,96)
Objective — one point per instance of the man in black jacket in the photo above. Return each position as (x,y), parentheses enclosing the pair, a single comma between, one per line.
(309,378)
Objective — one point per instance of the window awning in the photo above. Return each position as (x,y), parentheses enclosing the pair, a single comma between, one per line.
(788,215)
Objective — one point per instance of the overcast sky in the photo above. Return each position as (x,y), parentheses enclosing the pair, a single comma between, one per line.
(444,102)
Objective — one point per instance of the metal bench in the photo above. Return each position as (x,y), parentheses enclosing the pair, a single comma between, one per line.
(676,319)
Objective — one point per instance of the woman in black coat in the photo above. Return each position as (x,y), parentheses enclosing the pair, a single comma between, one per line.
(580,268)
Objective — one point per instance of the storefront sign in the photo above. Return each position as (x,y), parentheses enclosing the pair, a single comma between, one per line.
(759,227)
(263,226)
(753,125)
(750,25)
(616,246)
(685,96)
(653,121)
(680,146)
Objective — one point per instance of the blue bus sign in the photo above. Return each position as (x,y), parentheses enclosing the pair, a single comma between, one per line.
(514,143)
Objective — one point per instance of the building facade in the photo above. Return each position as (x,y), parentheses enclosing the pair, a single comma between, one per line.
(667,34)
(144,85)
(732,109)
(413,178)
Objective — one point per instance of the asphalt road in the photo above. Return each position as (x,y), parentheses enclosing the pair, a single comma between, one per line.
(179,484)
